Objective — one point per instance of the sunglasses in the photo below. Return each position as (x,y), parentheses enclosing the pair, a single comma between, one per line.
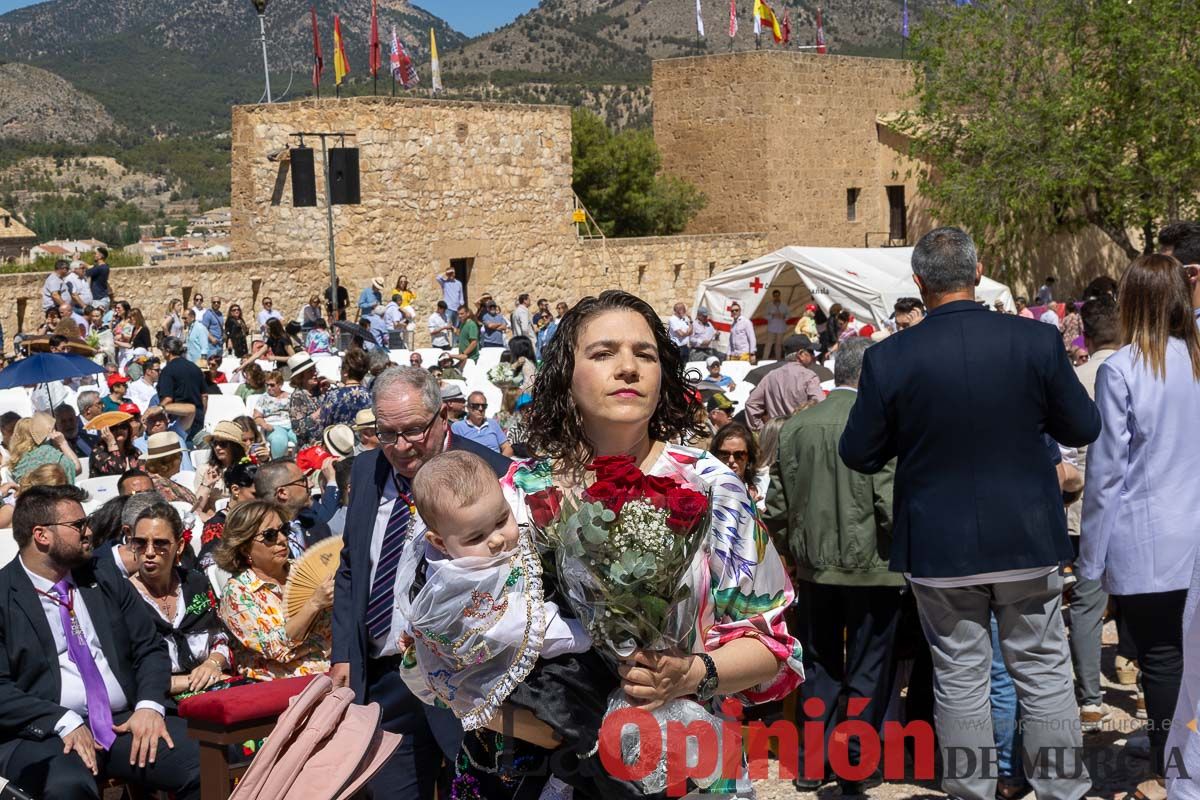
(77,524)
(736,455)
(271,536)
(138,545)
(478,406)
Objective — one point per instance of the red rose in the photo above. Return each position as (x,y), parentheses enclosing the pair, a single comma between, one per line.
(686,507)
(544,506)
(656,488)
(609,494)
(621,470)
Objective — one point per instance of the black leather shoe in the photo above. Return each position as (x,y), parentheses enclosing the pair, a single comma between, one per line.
(810,784)
(854,788)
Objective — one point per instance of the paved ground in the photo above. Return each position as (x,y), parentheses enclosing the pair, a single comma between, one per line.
(1106,746)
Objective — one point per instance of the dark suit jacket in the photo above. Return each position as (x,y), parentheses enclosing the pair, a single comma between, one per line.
(962,401)
(30,681)
(368,478)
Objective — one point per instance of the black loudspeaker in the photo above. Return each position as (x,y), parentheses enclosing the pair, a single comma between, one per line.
(304,181)
(343,176)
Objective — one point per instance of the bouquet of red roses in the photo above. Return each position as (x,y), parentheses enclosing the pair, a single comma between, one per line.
(624,552)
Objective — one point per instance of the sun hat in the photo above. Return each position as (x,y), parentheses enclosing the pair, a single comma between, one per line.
(41,425)
(108,419)
(377,283)
(452,393)
(364,419)
(712,361)
(226,431)
(162,445)
(300,363)
(116,378)
(339,440)
(719,401)
(445,357)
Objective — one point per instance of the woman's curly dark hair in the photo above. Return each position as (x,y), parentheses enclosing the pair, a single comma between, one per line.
(553,423)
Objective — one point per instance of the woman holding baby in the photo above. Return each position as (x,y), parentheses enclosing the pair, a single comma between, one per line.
(611,384)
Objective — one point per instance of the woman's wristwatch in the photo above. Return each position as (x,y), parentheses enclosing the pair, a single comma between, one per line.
(708,684)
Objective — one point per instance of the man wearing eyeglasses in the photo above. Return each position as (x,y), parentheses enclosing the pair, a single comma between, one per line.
(411,424)
(83,675)
(481,430)
(285,483)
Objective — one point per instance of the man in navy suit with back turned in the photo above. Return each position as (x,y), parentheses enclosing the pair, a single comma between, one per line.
(964,401)
(412,427)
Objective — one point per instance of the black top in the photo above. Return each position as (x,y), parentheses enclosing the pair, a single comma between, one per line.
(278,347)
(98,275)
(235,334)
(963,401)
(184,382)
(141,338)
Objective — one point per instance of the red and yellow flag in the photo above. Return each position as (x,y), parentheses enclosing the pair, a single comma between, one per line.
(764,17)
(340,65)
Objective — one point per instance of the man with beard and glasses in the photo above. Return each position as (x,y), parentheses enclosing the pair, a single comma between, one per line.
(83,675)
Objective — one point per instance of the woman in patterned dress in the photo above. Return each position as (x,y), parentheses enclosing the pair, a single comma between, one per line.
(270,645)
(612,384)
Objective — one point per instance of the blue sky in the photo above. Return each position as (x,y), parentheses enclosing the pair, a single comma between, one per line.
(472,17)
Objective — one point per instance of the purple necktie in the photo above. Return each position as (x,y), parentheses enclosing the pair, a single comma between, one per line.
(99,712)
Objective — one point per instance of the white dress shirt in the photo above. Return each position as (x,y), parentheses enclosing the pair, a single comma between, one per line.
(386,645)
(681,330)
(73,697)
(199,642)
(142,394)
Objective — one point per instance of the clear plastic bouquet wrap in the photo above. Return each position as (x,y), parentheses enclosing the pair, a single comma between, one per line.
(624,552)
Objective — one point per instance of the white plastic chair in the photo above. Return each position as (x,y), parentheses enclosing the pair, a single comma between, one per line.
(429,355)
(200,457)
(101,489)
(16,399)
(740,395)
(329,368)
(222,408)
(196,526)
(735,369)
(8,546)
(488,358)
(186,479)
(228,388)
(492,392)
(399,357)
(217,578)
(229,364)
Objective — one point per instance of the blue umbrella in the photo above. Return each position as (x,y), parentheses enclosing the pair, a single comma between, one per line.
(47,367)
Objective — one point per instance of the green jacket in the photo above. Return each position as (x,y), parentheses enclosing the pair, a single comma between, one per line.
(835,523)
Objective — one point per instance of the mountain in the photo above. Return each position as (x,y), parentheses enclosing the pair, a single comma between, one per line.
(176,66)
(35,104)
(607,41)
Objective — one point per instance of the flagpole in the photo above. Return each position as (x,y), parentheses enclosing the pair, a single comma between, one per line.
(393,84)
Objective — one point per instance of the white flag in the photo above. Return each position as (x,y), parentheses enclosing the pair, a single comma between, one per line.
(435,68)
(699,20)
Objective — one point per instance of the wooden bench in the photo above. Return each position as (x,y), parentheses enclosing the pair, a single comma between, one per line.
(217,720)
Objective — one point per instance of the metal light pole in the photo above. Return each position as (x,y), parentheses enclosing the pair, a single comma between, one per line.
(261,7)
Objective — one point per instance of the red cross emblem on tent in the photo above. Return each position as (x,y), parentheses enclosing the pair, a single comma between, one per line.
(757,285)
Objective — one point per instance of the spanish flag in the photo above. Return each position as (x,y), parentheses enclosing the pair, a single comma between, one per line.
(765,17)
(340,65)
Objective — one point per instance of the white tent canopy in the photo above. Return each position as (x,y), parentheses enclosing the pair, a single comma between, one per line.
(867,281)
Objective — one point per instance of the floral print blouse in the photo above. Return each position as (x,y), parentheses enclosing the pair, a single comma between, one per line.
(342,404)
(252,609)
(301,406)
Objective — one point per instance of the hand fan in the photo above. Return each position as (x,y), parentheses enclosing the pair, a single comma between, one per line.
(309,571)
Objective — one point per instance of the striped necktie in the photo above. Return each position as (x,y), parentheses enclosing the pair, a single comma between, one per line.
(383,588)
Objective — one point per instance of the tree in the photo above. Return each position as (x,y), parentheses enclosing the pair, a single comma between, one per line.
(180,228)
(616,177)
(1035,116)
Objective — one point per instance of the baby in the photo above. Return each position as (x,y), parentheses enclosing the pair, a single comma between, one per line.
(478,621)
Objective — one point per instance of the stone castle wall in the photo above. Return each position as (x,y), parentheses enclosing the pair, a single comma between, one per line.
(289,283)
(775,138)
(445,180)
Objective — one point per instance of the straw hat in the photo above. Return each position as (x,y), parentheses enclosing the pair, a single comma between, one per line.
(40,427)
(364,419)
(108,419)
(339,440)
(162,445)
(226,431)
(300,363)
